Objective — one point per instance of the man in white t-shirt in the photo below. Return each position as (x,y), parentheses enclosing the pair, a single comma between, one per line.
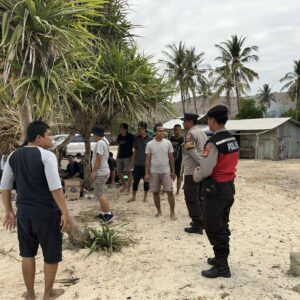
(160,168)
(101,172)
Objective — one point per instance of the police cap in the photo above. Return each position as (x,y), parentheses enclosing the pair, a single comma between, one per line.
(190,117)
(218,110)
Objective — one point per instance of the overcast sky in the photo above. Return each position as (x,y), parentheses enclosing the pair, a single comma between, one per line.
(272,25)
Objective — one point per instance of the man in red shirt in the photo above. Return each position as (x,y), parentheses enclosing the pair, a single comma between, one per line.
(217,170)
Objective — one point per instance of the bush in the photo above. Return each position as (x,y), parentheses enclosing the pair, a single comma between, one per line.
(249,110)
(293,113)
(108,238)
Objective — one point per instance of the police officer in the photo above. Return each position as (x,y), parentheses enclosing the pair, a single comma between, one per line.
(217,172)
(194,142)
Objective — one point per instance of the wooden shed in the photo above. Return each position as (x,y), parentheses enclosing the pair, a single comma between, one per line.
(267,138)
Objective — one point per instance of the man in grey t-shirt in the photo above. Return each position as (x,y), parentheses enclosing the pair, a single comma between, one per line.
(100,172)
(159,159)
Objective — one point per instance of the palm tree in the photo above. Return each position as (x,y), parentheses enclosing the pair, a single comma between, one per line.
(175,68)
(235,56)
(205,92)
(293,83)
(38,46)
(194,72)
(265,97)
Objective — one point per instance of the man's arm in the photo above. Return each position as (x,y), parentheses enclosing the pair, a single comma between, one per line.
(6,186)
(192,150)
(172,164)
(147,166)
(207,163)
(59,198)
(96,166)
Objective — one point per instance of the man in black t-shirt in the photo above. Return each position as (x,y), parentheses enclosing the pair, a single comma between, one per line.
(42,213)
(177,142)
(124,157)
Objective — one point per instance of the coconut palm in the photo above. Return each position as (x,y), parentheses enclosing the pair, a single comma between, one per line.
(235,55)
(38,42)
(292,84)
(175,68)
(204,89)
(265,97)
(194,72)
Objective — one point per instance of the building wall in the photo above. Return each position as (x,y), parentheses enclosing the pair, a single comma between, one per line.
(282,142)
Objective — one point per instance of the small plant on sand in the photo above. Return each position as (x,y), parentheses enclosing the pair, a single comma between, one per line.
(108,238)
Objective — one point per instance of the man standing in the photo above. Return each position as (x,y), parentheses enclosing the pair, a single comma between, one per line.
(159,159)
(42,213)
(217,170)
(195,140)
(124,157)
(139,157)
(177,142)
(101,172)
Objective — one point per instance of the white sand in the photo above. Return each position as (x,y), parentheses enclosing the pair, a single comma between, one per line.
(165,263)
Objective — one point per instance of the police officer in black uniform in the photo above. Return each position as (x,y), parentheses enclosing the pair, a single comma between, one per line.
(217,170)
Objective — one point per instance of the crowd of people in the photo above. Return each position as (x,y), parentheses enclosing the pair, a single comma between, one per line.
(207,167)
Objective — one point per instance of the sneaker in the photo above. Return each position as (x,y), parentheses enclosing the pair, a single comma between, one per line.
(100,216)
(215,272)
(108,218)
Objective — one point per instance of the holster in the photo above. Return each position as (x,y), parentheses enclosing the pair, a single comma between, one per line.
(210,187)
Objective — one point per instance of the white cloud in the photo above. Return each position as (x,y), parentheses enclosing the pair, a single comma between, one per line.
(273,25)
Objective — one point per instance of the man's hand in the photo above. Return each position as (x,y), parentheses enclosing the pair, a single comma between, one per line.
(93,176)
(147,178)
(9,220)
(173,176)
(64,221)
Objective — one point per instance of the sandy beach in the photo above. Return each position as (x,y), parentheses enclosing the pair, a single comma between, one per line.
(165,262)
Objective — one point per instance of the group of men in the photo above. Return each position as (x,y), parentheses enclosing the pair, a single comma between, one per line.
(208,167)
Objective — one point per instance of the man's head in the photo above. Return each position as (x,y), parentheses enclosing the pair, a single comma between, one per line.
(98,132)
(70,158)
(159,131)
(142,128)
(217,117)
(177,130)
(39,133)
(123,128)
(189,120)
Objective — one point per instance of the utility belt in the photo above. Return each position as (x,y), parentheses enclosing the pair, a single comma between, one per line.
(210,186)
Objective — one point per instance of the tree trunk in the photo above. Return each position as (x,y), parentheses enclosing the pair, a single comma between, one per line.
(59,149)
(87,158)
(237,99)
(182,97)
(24,111)
(228,102)
(194,100)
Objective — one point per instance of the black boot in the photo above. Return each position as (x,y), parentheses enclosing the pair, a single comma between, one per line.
(217,271)
(212,261)
(194,229)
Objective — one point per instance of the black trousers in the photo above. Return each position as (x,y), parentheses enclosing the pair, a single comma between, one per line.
(193,199)
(216,209)
(138,174)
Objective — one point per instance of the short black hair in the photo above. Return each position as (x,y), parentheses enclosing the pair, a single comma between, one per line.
(177,125)
(111,154)
(222,119)
(159,124)
(124,126)
(36,128)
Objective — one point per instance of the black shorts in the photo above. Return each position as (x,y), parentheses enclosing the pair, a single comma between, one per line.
(45,232)
(178,167)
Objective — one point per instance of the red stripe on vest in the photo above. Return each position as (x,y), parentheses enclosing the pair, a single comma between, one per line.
(225,168)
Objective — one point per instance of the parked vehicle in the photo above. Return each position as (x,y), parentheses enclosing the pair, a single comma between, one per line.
(75,146)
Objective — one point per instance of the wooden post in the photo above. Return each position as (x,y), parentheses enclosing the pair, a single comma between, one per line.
(256,147)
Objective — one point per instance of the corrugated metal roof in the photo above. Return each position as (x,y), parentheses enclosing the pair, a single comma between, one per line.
(255,124)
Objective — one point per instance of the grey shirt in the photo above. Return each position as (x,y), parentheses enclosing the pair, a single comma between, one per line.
(139,146)
(102,149)
(159,151)
(195,140)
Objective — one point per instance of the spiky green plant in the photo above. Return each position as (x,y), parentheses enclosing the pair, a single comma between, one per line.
(108,238)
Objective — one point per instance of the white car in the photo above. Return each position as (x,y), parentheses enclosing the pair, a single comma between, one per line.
(75,146)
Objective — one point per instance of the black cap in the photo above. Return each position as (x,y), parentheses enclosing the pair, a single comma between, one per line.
(124,125)
(218,110)
(98,130)
(190,117)
(143,124)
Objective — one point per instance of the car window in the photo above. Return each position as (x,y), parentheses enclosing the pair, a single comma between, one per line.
(77,139)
